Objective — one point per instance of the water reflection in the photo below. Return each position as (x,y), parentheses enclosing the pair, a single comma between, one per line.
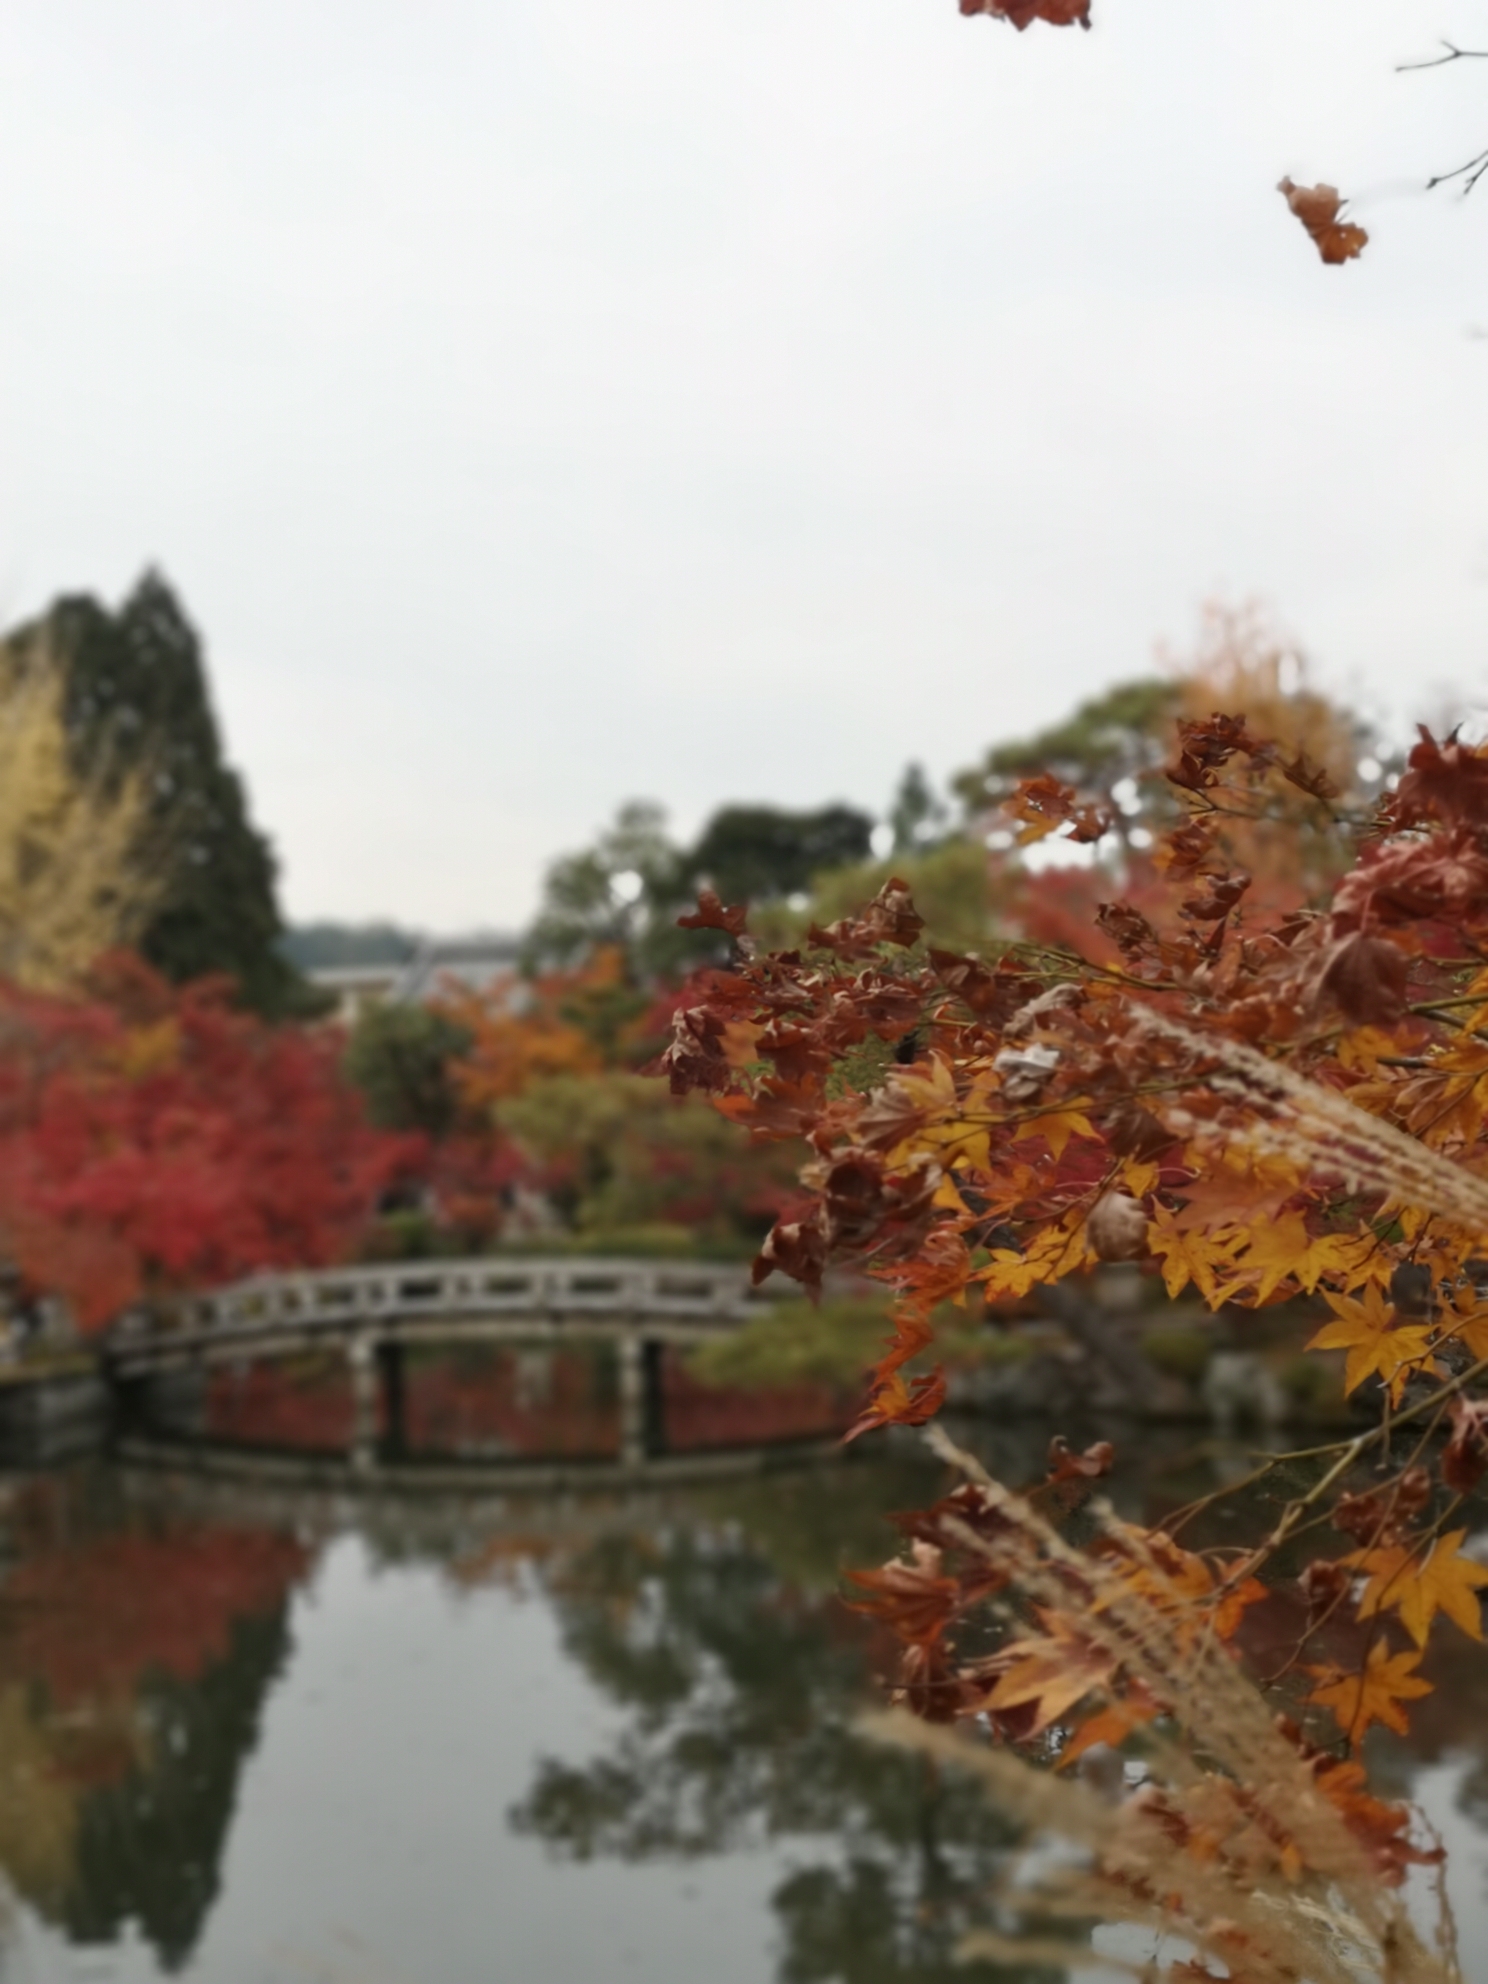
(135,1659)
(491,1401)
(722,1638)
(253,1734)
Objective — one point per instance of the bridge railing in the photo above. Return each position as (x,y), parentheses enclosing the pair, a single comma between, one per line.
(342,1298)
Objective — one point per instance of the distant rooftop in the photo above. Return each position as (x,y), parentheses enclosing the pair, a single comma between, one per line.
(470,964)
(475,964)
(353,977)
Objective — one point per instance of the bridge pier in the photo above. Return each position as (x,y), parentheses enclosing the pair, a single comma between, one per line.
(390,1362)
(642,1408)
(375,1366)
(361,1359)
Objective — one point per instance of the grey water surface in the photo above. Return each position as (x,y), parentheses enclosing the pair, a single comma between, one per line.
(253,1736)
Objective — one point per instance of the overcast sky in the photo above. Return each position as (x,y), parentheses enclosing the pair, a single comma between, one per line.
(540,403)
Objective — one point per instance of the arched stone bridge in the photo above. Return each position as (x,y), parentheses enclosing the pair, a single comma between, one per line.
(373,1313)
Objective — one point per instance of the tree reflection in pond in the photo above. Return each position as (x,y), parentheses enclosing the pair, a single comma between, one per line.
(136,1654)
(725,1640)
(236,1719)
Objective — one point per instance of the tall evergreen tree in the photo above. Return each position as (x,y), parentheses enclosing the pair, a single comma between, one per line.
(137,692)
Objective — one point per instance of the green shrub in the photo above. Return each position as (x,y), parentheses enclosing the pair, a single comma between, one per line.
(1308,1383)
(1179,1353)
(793,1343)
(410,1234)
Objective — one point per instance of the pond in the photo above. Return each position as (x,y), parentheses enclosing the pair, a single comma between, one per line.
(257,1736)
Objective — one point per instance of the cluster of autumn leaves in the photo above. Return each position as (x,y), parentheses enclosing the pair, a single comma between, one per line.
(1264,1100)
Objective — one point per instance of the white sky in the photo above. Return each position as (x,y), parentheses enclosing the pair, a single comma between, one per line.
(545,402)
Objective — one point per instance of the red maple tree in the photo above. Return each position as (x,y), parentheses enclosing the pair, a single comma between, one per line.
(155,1137)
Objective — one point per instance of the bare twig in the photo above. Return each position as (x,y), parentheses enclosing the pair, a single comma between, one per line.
(1469,174)
(1453,54)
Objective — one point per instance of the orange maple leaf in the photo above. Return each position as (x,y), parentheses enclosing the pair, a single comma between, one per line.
(1418,1589)
(1111,1725)
(893,1401)
(1053,1672)
(1357,1700)
(1376,1342)
(1383,1828)
(1182,1584)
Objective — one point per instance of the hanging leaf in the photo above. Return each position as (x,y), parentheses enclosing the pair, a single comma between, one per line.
(1317,207)
(1023,13)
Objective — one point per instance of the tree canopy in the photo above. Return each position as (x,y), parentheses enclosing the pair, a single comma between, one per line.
(136,695)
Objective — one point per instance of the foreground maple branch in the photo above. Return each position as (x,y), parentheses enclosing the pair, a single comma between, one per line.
(1263,1102)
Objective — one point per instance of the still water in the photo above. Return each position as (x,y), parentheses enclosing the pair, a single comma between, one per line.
(252,1736)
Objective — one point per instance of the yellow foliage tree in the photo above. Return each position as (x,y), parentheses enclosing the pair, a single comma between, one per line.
(76,879)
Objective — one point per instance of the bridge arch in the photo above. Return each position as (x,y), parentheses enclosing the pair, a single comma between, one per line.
(372,1315)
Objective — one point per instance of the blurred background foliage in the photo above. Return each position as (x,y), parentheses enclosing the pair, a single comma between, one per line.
(511,1111)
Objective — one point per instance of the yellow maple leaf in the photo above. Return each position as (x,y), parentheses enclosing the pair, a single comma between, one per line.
(1276,1251)
(1190,1257)
(1058,1250)
(1057,1127)
(944,1128)
(1446,1105)
(145,1050)
(1467,1326)
(1353,1257)
(1413,1221)
(1009,1273)
(948,1198)
(1140,1179)
(1373,1696)
(1361,1048)
(1417,1589)
(1377,1342)
(1281,1250)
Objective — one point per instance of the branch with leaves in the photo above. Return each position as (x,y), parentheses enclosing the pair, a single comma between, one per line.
(1262,1101)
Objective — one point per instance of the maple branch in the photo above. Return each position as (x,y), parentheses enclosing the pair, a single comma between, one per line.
(1180,1518)
(1293,1513)
(1453,54)
(1425,1537)
(1290,1523)
(1459,999)
(1081,967)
